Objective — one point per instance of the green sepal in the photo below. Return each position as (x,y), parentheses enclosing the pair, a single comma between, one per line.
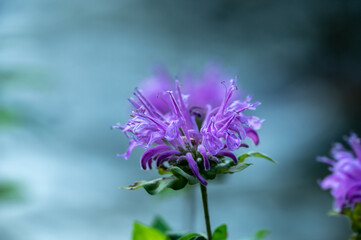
(224,164)
(255,154)
(229,166)
(143,232)
(157,185)
(220,233)
(179,173)
(209,175)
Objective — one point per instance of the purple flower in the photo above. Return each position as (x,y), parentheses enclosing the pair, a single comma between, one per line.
(345,179)
(192,131)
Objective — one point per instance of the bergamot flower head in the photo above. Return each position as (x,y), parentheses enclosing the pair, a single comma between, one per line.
(193,135)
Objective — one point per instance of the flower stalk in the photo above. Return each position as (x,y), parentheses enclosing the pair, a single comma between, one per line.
(206,212)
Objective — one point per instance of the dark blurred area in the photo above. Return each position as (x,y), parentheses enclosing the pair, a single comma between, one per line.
(68,67)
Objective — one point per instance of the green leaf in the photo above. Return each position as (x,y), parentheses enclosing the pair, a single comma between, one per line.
(261,234)
(238,168)
(255,154)
(142,232)
(160,224)
(157,185)
(135,185)
(192,236)
(220,233)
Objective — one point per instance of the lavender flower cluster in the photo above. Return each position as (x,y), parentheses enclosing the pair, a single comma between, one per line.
(198,126)
(345,178)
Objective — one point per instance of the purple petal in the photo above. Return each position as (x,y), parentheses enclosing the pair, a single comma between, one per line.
(228,154)
(212,143)
(233,142)
(213,158)
(164,155)
(203,152)
(239,129)
(132,145)
(354,193)
(350,168)
(172,131)
(147,155)
(252,134)
(227,98)
(193,165)
(338,152)
(185,110)
(254,122)
(244,145)
(325,160)
(355,143)
(134,103)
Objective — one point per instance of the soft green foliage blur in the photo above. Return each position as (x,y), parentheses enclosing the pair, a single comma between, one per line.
(8,117)
(355,218)
(160,230)
(8,191)
(142,232)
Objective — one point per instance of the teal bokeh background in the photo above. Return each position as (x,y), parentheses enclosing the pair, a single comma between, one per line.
(73,65)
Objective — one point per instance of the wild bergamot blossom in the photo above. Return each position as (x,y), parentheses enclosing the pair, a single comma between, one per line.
(185,132)
(345,178)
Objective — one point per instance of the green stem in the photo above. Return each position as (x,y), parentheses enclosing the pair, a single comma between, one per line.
(206,213)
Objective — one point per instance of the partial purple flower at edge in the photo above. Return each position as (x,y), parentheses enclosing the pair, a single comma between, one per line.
(345,178)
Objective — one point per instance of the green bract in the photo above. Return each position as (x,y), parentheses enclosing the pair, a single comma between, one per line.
(179,176)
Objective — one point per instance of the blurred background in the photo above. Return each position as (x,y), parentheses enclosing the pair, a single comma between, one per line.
(68,67)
